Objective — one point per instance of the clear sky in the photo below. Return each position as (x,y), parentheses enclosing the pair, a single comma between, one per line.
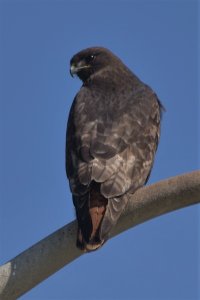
(158,40)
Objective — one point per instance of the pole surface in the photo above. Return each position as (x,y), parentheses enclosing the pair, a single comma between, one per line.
(43,259)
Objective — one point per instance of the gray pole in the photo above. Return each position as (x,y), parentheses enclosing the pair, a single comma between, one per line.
(35,264)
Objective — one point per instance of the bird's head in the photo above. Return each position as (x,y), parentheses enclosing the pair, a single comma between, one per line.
(89,61)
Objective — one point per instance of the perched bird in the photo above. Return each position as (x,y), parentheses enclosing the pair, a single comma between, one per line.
(112,136)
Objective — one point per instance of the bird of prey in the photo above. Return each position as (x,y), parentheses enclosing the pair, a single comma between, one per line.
(112,135)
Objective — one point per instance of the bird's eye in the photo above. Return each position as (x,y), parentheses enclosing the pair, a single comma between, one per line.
(90,58)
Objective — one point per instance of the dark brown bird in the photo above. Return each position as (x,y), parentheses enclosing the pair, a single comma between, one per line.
(112,136)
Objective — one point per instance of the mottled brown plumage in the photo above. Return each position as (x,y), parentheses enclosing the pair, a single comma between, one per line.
(112,136)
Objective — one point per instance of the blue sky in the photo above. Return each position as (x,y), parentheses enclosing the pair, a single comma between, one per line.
(158,40)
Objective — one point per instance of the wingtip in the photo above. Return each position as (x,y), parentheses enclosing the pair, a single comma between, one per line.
(93,246)
(89,246)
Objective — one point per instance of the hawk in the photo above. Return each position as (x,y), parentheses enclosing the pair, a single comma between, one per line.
(112,135)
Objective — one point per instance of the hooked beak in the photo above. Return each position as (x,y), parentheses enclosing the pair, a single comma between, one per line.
(75,69)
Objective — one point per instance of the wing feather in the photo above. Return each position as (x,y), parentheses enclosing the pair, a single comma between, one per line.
(113,150)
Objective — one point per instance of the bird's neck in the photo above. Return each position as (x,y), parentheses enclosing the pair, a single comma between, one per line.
(112,79)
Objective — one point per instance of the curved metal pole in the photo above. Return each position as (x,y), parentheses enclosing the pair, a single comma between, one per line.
(35,264)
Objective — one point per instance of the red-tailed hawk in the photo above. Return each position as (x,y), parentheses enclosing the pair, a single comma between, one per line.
(112,136)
